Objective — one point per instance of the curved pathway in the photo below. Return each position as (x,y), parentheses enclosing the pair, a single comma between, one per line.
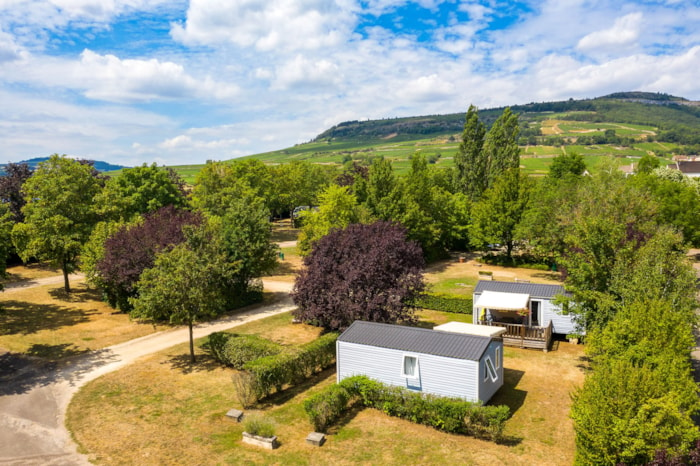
(34,397)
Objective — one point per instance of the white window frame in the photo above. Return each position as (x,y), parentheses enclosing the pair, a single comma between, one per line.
(489,370)
(497,357)
(416,370)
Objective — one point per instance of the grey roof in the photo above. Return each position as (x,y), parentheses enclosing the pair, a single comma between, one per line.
(535,290)
(416,340)
(686,166)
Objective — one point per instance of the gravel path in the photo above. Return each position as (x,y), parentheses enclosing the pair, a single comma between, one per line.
(34,395)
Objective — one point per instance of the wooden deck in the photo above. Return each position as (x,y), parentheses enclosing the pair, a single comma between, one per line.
(522,336)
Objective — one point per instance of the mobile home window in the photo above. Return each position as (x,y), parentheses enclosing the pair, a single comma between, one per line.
(410,367)
(498,358)
(489,370)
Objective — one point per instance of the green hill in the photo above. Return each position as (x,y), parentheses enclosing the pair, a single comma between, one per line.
(626,125)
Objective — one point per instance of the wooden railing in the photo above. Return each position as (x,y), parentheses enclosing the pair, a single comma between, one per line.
(525,336)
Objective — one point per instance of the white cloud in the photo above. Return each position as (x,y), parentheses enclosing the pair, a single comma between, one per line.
(624,33)
(302,72)
(426,88)
(268,26)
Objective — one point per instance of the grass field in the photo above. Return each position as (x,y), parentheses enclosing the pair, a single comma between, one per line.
(47,322)
(159,411)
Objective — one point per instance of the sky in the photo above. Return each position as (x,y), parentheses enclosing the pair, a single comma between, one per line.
(180,82)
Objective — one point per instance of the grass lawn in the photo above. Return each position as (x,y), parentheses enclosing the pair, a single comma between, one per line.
(453,277)
(47,322)
(159,411)
(20,273)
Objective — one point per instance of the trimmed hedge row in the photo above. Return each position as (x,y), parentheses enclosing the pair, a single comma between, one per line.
(264,376)
(235,350)
(446,303)
(451,415)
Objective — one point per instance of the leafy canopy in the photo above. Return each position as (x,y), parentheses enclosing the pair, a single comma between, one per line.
(59,213)
(363,272)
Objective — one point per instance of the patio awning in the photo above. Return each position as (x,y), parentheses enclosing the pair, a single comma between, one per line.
(503,301)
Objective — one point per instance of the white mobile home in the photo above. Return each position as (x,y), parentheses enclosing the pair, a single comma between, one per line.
(445,363)
(527,310)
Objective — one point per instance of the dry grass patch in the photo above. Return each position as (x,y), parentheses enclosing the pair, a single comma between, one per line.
(454,277)
(20,273)
(287,268)
(46,321)
(161,410)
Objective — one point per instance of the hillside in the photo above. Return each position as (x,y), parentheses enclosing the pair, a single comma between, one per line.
(99,165)
(642,108)
(625,125)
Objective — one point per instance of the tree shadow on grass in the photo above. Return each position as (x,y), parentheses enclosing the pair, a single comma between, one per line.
(77,295)
(509,394)
(20,373)
(282,397)
(23,318)
(60,351)
(183,363)
(283,268)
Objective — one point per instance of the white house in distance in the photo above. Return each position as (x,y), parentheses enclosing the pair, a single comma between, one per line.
(525,310)
(455,360)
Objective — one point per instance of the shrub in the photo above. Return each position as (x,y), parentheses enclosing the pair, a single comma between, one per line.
(259,425)
(445,303)
(326,407)
(451,415)
(236,350)
(272,373)
(246,388)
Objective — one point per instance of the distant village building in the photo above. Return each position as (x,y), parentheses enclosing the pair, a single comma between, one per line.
(689,168)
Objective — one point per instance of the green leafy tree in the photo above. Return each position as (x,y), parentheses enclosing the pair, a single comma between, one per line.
(625,411)
(338,208)
(298,183)
(380,183)
(501,146)
(432,215)
(471,160)
(140,190)
(495,218)
(216,187)
(648,163)
(187,283)
(678,203)
(569,164)
(246,238)
(59,213)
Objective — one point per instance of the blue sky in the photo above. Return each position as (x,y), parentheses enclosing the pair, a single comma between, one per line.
(178,82)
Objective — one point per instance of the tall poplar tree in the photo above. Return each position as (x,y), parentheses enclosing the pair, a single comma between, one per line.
(501,146)
(471,160)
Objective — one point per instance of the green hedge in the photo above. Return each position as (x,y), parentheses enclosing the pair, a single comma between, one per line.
(272,373)
(445,303)
(451,415)
(236,350)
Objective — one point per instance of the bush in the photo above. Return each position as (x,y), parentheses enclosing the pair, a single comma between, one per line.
(326,407)
(445,303)
(272,373)
(246,388)
(451,415)
(236,350)
(259,425)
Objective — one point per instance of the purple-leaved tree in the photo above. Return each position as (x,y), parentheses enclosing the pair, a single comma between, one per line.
(133,249)
(363,272)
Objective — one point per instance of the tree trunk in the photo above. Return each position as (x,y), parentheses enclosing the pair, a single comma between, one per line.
(66,284)
(192,358)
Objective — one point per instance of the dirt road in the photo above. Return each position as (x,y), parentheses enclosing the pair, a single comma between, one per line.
(34,397)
